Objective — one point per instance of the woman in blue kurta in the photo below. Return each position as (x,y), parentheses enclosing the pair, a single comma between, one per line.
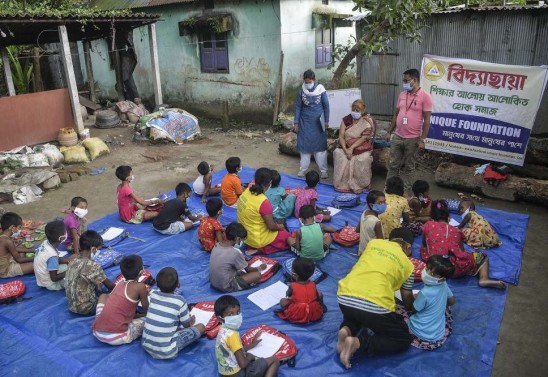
(311,103)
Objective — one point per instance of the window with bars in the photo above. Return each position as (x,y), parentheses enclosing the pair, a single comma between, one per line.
(214,52)
(324,46)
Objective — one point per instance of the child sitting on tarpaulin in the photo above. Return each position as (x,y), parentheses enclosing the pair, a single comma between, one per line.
(129,201)
(477,231)
(282,203)
(210,231)
(75,223)
(116,319)
(175,217)
(231,185)
(312,240)
(202,185)
(49,267)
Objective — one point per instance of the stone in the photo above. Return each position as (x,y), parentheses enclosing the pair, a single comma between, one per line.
(537,151)
(514,188)
(73,176)
(51,183)
(64,177)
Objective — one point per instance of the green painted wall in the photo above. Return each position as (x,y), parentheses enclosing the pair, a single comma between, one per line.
(253,48)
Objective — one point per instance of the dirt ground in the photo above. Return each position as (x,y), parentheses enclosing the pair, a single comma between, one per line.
(158,168)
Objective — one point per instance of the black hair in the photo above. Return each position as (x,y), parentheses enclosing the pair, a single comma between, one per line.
(312,178)
(373,196)
(439,210)
(303,268)
(276,178)
(131,266)
(309,74)
(307,211)
(10,219)
(203,168)
(235,230)
(182,188)
(471,204)
(394,185)
(122,172)
(89,239)
(223,303)
(54,230)
(440,266)
(77,200)
(213,206)
(403,233)
(420,187)
(167,279)
(263,177)
(413,73)
(232,164)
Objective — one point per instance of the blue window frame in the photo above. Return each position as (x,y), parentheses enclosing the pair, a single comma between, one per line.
(214,52)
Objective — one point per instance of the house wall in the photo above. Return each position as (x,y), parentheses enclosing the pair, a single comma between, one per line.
(253,49)
(298,38)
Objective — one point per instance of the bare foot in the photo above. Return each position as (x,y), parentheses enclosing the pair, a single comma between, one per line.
(344,332)
(488,283)
(351,345)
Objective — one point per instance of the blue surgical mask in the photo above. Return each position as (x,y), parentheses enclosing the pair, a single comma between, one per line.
(308,86)
(407,86)
(239,245)
(356,115)
(428,279)
(379,207)
(234,321)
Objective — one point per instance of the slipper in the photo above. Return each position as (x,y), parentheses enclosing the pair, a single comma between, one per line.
(474,196)
(463,196)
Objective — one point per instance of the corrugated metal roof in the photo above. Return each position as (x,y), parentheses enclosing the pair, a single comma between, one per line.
(462,8)
(130,4)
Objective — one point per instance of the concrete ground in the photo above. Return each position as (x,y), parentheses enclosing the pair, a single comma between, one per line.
(158,168)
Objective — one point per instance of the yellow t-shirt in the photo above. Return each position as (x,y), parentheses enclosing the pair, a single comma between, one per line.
(397,205)
(258,234)
(381,270)
(227,343)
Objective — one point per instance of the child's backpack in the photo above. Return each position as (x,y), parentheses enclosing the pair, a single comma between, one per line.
(146,277)
(316,277)
(272,266)
(347,236)
(286,353)
(214,325)
(11,291)
(107,257)
(345,200)
(418,266)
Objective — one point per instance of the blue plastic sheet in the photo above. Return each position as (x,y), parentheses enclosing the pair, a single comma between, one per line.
(40,337)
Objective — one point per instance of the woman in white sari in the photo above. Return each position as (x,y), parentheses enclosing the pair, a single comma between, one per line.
(353,158)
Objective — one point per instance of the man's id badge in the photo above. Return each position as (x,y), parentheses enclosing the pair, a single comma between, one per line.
(404,120)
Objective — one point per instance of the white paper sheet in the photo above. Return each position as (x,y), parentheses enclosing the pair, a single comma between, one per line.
(398,295)
(112,233)
(268,297)
(257,263)
(453,222)
(333,211)
(202,316)
(268,346)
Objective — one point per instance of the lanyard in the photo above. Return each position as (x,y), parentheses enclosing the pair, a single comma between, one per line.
(413,101)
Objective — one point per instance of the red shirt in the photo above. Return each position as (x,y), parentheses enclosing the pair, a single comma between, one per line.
(206,232)
(126,205)
(304,306)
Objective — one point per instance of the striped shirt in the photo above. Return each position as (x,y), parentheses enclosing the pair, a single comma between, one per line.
(368,306)
(167,313)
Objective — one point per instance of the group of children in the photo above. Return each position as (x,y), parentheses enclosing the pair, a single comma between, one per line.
(162,316)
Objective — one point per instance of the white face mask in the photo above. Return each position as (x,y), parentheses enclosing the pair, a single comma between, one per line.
(429,279)
(80,212)
(16,233)
(63,238)
(308,86)
(465,212)
(132,178)
(356,115)
(234,321)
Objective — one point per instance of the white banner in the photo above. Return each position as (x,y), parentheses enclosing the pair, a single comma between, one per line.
(482,110)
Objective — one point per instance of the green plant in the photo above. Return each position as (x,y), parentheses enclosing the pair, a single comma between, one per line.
(22,74)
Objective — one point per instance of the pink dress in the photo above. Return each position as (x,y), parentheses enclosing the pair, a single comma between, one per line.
(304,197)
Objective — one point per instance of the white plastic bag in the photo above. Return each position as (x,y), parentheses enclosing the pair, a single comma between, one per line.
(37,160)
(26,194)
(55,157)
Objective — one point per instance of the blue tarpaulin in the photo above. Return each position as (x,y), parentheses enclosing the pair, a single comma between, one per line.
(40,337)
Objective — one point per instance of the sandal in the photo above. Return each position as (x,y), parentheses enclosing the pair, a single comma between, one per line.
(477,198)
(462,196)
